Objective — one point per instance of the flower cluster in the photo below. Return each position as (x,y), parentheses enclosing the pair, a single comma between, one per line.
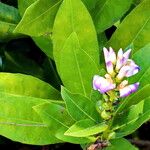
(118,67)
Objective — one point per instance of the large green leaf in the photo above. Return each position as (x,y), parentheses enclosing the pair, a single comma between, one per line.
(37,20)
(108,12)
(120,144)
(27,85)
(19,122)
(23,5)
(131,120)
(9,14)
(76,67)
(80,107)
(135,28)
(58,121)
(76,20)
(84,128)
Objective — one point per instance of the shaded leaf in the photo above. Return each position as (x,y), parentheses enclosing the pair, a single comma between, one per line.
(108,12)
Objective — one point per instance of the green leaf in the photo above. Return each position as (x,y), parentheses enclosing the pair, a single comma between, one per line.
(76,67)
(90,4)
(37,20)
(6,31)
(20,84)
(130,121)
(19,122)
(58,121)
(84,128)
(108,12)
(136,32)
(120,144)
(23,5)
(45,44)
(9,14)
(141,57)
(83,106)
(76,20)
(135,99)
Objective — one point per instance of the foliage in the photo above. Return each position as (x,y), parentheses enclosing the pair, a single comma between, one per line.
(48,98)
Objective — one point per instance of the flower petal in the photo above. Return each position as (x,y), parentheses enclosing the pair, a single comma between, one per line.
(126,91)
(102,85)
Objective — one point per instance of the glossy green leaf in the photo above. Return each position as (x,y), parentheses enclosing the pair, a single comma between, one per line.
(9,14)
(108,12)
(120,144)
(19,122)
(37,20)
(85,109)
(76,20)
(73,70)
(136,32)
(84,128)
(133,119)
(23,5)
(58,121)
(20,84)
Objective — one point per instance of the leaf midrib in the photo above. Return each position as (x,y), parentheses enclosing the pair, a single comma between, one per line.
(90,117)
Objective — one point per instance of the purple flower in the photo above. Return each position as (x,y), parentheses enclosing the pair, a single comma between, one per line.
(122,58)
(102,85)
(129,89)
(129,69)
(110,59)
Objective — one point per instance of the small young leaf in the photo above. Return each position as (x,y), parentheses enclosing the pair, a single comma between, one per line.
(9,14)
(136,32)
(84,128)
(80,107)
(58,121)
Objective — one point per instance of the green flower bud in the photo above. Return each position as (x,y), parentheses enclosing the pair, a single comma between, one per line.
(111,135)
(105,115)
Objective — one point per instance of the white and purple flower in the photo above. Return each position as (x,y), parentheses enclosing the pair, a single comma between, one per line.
(118,67)
(102,85)
(129,89)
